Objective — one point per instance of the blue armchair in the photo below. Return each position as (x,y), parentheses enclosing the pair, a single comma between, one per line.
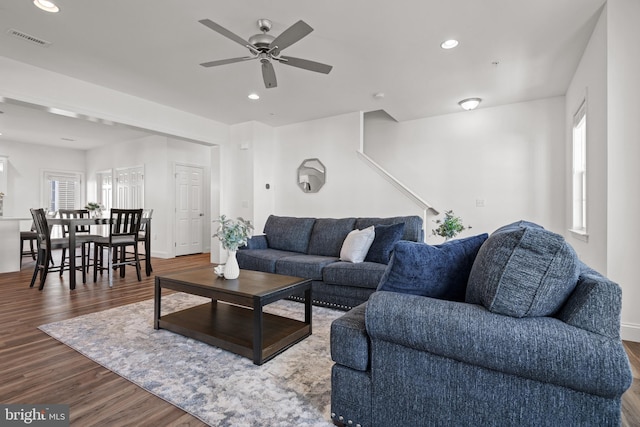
(533,343)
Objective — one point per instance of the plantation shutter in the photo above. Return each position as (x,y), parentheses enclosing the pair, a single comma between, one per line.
(62,190)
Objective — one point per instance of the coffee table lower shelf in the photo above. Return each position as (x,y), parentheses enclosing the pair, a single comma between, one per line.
(230,327)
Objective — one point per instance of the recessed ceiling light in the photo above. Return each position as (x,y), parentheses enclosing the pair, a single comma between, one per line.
(253,96)
(449,44)
(46,5)
(470,103)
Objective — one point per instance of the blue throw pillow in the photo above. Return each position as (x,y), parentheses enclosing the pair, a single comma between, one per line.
(439,271)
(386,237)
(523,270)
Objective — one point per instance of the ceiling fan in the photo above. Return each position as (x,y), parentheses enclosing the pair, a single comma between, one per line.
(267,49)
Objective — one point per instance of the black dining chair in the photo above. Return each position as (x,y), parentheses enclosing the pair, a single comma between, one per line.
(31,237)
(46,245)
(123,233)
(83,236)
(142,240)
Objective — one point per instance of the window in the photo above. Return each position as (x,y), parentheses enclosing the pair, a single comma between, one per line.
(579,222)
(62,190)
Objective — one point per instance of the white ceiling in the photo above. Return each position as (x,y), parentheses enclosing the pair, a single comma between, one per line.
(153,50)
(34,125)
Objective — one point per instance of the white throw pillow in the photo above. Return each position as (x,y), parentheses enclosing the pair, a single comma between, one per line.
(357,244)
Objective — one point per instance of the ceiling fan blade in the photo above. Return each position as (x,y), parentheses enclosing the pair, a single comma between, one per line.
(221,30)
(269,75)
(226,61)
(306,64)
(290,36)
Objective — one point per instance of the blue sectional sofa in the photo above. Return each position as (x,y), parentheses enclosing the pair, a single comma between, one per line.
(310,248)
(533,340)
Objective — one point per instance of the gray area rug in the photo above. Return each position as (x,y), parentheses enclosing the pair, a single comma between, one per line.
(216,386)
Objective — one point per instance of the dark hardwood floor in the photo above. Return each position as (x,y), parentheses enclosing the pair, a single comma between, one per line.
(631,399)
(35,368)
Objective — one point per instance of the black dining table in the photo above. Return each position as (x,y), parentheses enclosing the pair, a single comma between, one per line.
(72,223)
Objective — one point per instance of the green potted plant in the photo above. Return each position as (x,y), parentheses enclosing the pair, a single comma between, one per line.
(95,209)
(450,226)
(232,234)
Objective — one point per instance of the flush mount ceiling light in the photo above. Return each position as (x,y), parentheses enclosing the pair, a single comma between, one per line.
(470,103)
(253,96)
(46,5)
(449,44)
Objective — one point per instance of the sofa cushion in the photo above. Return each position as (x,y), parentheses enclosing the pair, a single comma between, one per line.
(328,234)
(385,238)
(356,245)
(516,225)
(361,275)
(307,266)
(258,241)
(522,271)
(439,271)
(260,259)
(412,225)
(288,233)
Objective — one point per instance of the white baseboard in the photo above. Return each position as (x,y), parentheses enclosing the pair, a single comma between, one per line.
(630,332)
(164,255)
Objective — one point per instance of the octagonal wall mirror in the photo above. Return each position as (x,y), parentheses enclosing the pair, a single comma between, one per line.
(311,175)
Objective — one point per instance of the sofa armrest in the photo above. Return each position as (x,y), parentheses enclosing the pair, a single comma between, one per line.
(257,242)
(349,339)
(544,349)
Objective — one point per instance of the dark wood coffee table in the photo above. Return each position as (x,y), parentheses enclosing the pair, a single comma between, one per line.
(234,319)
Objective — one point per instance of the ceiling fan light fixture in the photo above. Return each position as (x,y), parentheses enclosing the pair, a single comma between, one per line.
(253,96)
(449,44)
(46,5)
(470,103)
(267,49)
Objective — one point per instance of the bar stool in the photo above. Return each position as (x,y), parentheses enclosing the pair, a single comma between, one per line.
(123,232)
(31,237)
(45,245)
(83,236)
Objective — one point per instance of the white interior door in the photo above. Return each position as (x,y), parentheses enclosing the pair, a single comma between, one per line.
(189,210)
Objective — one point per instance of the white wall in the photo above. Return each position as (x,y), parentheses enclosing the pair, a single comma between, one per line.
(509,158)
(264,155)
(623,82)
(590,80)
(352,188)
(158,155)
(237,173)
(248,166)
(26,163)
(39,86)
